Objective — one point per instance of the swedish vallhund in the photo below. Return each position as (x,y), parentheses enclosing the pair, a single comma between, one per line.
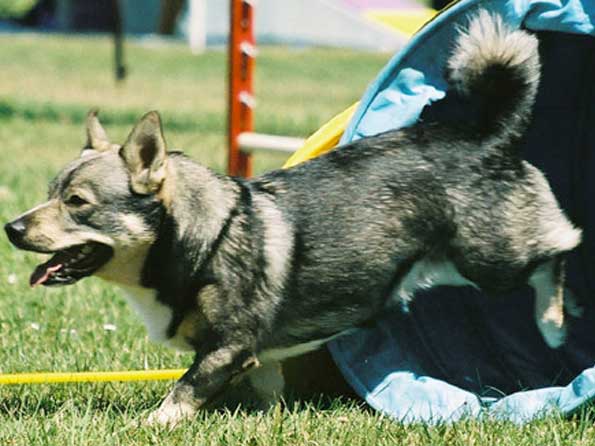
(247,272)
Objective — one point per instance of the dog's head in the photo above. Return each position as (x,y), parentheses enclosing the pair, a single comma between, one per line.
(103,209)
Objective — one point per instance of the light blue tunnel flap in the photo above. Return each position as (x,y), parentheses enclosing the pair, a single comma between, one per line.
(530,404)
(458,353)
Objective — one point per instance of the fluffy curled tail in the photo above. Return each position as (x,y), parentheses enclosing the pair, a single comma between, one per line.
(499,66)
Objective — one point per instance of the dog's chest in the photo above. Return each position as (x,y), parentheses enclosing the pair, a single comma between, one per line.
(156,316)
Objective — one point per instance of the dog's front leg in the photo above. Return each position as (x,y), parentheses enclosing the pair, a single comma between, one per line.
(209,373)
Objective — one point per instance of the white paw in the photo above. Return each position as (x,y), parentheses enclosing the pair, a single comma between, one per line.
(554,334)
(170,414)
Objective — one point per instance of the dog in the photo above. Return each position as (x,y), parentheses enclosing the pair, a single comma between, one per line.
(248,272)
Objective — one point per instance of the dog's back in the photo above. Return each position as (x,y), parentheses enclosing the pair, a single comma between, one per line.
(450,204)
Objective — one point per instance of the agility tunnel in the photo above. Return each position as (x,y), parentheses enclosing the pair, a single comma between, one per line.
(458,353)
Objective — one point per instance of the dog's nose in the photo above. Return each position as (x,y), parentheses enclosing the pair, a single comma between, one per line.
(15,230)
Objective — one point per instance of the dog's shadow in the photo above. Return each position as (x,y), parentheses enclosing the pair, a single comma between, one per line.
(312,383)
(312,380)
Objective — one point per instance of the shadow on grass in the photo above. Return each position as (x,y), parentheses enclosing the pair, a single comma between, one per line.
(77,114)
(184,122)
(46,400)
(119,398)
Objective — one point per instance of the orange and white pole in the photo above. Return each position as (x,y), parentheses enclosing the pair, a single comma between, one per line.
(242,52)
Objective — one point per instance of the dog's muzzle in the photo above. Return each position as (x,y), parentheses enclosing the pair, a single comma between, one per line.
(67,265)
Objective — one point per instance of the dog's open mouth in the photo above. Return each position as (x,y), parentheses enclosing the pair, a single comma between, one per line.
(71,264)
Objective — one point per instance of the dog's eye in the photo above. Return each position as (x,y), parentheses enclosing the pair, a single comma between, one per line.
(76,200)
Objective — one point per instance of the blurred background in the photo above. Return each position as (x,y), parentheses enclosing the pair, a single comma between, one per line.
(368,24)
(61,57)
(315,57)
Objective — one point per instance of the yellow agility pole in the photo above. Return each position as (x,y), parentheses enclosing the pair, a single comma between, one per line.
(83,377)
(405,21)
(324,139)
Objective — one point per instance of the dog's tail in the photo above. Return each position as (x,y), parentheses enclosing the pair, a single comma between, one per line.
(499,66)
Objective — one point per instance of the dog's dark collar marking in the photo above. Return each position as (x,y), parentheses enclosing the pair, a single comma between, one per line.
(199,281)
(167,263)
(255,229)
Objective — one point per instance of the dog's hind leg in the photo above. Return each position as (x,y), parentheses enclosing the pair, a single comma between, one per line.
(268,383)
(548,282)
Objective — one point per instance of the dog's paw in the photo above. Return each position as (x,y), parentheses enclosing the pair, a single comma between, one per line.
(553,332)
(170,414)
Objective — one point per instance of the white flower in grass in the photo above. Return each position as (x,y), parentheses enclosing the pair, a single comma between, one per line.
(12,278)
(109,327)
(6,193)
(35,326)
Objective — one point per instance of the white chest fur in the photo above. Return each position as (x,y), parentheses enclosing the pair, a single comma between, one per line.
(155,315)
(278,354)
(426,274)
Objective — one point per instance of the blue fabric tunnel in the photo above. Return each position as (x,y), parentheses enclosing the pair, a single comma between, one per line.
(458,353)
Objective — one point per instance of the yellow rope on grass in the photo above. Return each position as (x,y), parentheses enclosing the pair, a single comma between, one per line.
(72,377)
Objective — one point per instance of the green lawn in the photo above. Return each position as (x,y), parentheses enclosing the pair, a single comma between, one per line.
(47,85)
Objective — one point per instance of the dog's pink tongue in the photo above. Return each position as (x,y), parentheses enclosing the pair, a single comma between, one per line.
(42,273)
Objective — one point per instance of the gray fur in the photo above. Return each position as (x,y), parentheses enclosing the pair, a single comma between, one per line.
(244,271)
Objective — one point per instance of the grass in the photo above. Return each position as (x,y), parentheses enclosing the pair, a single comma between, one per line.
(48,84)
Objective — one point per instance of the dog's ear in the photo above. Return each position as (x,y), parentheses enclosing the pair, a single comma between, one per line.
(97,139)
(145,155)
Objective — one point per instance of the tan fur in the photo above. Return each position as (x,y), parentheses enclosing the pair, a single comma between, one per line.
(188,331)
(97,138)
(46,228)
(147,170)
(167,190)
(125,266)
(207,300)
